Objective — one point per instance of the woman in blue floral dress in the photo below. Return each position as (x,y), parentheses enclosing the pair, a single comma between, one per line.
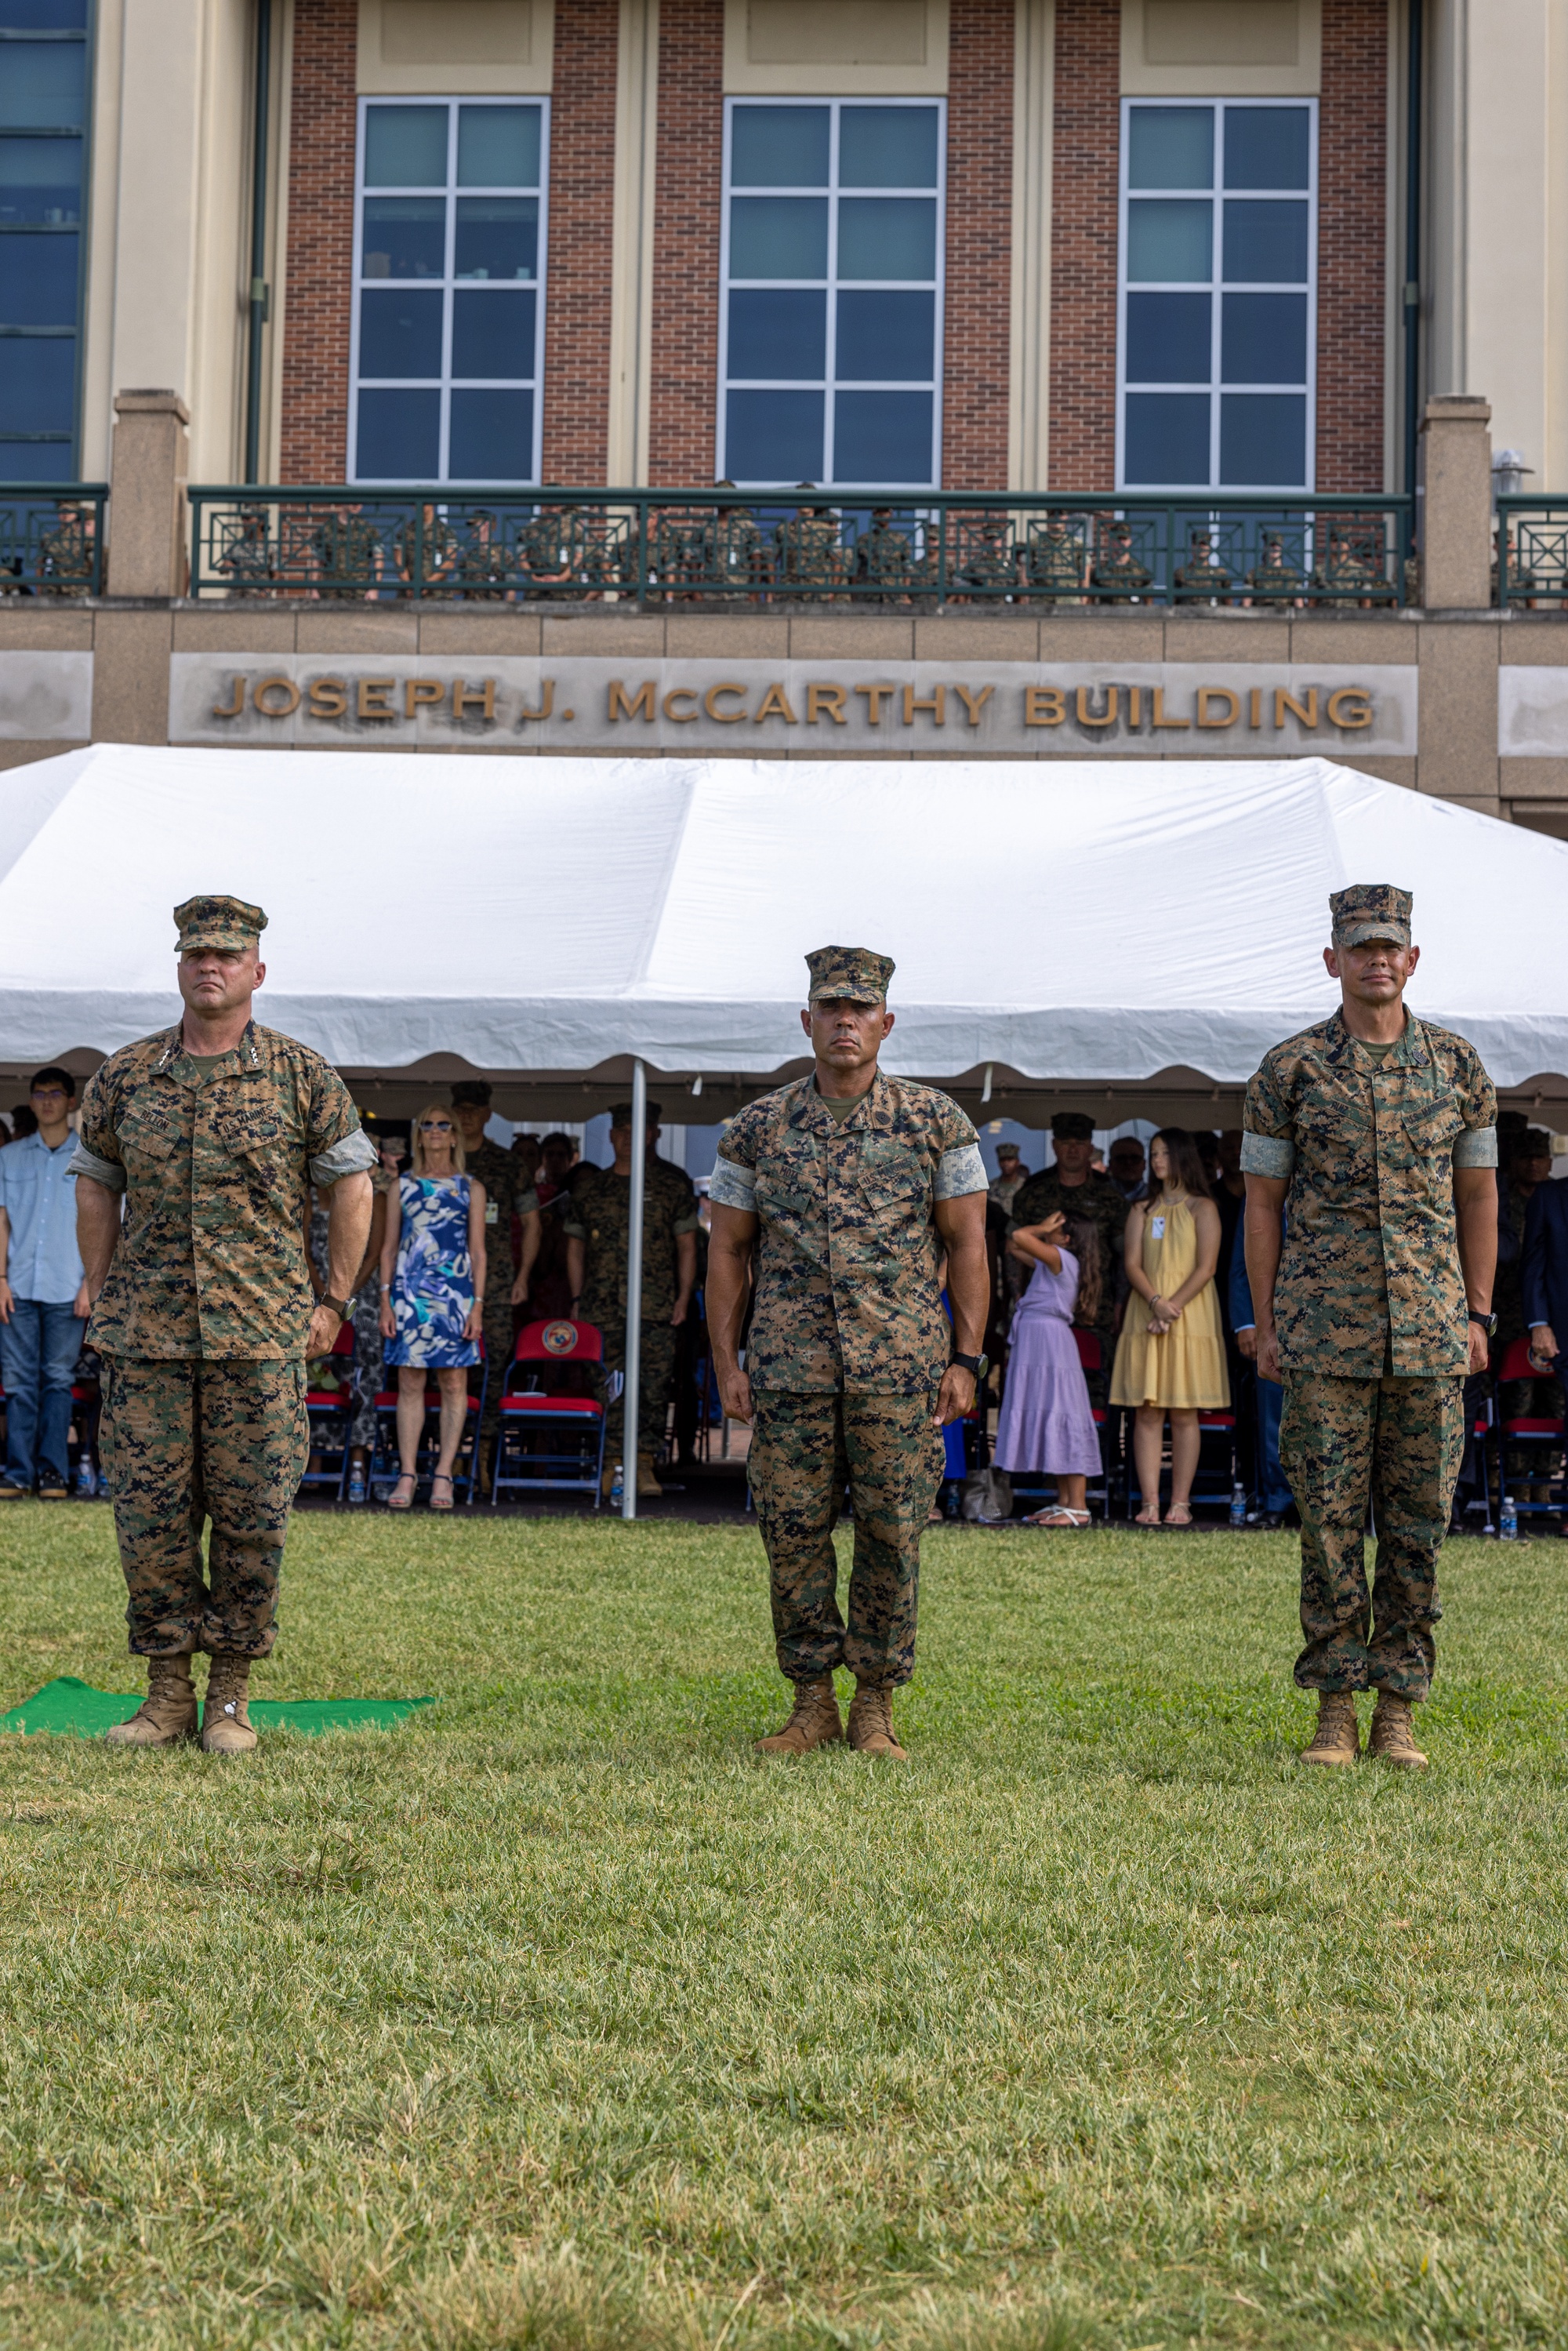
(432,1280)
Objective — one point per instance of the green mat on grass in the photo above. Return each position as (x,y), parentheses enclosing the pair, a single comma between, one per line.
(80,1712)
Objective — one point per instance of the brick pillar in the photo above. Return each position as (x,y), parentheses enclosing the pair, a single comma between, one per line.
(320,299)
(148,465)
(1086,148)
(1456,513)
(977,340)
(582,237)
(1352,195)
(683,394)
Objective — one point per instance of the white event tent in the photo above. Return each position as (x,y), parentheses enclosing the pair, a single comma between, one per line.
(1124,935)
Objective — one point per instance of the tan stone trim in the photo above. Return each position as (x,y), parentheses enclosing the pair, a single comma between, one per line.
(1210,32)
(398,55)
(839,48)
(631,258)
(1034,101)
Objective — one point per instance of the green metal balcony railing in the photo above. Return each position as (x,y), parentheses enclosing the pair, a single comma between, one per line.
(52,539)
(1530,566)
(654,547)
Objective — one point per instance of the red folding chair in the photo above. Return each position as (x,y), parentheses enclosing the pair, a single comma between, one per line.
(330,1411)
(1524,1432)
(551,1441)
(386,1462)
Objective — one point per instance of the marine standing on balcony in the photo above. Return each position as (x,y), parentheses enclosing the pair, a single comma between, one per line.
(1382,1129)
(204,1312)
(848,1188)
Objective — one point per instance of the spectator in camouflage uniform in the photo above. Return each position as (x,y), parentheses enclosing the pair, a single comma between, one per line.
(731,549)
(1201,575)
(1273,580)
(1073,1188)
(1118,571)
(845,1188)
(1054,565)
(807,552)
(205,1314)
(507,1194)
(1527,1164)
(598,1226)
(66,552)
(883,557)
(1379,1130)
(425,554)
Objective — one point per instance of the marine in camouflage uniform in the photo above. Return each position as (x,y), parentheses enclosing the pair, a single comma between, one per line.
(201,1323)
(1370,1316)
(808,554)
(507,1193)
(1097,1201)
(847,1344)
(599,1215)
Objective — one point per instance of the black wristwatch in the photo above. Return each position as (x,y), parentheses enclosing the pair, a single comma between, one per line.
(975,1366)
(342,1307)
(1487,1321)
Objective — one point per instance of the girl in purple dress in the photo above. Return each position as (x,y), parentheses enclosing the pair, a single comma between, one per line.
(1046,1424)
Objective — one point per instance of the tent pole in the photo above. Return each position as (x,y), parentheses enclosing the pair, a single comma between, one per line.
(633,1395)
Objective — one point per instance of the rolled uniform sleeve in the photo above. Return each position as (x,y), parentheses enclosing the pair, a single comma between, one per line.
(1477,1146)
(335,1143)
(97,1153)
(733,1183)
(960,1169)
(1268,1147)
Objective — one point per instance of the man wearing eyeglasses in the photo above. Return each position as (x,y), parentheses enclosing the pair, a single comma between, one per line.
(43,1293)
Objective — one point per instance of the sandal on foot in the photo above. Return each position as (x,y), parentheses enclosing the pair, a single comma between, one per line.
(409,1481)
(1179,1524)
(439,1478)
(1059,1515)
(1141,1521)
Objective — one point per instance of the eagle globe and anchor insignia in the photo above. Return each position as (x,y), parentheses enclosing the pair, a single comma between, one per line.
(559,1338)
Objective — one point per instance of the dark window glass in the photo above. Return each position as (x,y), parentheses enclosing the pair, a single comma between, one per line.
(40,180)
(498,237)
(887,237)
(405,147)
(497,146)
(778,333)
(881,437)
(887,147)
(774,436)
(404,236)
(42,85)
(1262,440)
(493,335)
(400,333)
(492,437)
(37,461)
(38,281)
(778,147)
(400,436)
(44,15)
(1265,244)
(779,237)
(1170,147)
(1267,146)
(1166,437)
(1263,339)
(886,338)
(1168,338)
(1170,241)
(38,384)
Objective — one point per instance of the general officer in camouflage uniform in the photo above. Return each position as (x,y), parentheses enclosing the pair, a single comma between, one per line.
(1073,1188)
(1378,1131)
(204,1314)
(507,1193)
(847,1188)
(598,1225)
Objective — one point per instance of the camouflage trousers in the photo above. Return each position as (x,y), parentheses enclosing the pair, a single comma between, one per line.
(657,1364)
(806,1448)
(1395,1445)
(189,1440)
(499,1342)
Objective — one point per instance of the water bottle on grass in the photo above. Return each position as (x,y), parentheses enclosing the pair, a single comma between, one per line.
(617,1487)
(1238,1505)
(1508,1519)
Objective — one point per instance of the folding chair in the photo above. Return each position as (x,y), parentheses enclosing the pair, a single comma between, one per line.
(551,1442)
(1038,1485)
(386,1463)
(330,1411)
(1524,1433)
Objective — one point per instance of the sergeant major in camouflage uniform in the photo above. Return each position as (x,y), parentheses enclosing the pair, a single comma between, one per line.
(848,1186)
(204,1312)
(507,1193)
(598,1225)
(1381,1130)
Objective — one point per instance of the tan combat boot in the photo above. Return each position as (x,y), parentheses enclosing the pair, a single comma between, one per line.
(871,1724)
(647,1479)
(1393,1738)
(814,1720)
(225,1719)
(1336,1738)
(167,1712)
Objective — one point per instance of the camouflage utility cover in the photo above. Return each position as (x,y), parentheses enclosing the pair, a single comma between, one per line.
(847,1259)
(600,1212)
(211,1260)
(1370,1278)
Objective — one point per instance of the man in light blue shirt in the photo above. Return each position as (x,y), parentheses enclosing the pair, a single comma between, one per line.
(44,1302)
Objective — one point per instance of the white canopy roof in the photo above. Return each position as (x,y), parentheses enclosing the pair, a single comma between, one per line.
(1067,920)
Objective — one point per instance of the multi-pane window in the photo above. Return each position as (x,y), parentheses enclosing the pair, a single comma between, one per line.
(830,341)
(1218,286)
(43,141)
(449,290)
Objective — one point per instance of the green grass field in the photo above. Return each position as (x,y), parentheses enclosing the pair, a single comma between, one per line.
(553,2019)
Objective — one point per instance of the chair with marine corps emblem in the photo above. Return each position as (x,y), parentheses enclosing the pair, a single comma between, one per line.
(551,1441)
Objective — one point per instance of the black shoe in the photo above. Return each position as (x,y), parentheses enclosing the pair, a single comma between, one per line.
(1270,1521)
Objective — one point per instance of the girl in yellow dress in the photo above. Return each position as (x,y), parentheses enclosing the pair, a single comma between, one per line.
(1170,1357)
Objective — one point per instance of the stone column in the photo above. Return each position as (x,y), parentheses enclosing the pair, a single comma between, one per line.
(148,468)
(1457,521)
